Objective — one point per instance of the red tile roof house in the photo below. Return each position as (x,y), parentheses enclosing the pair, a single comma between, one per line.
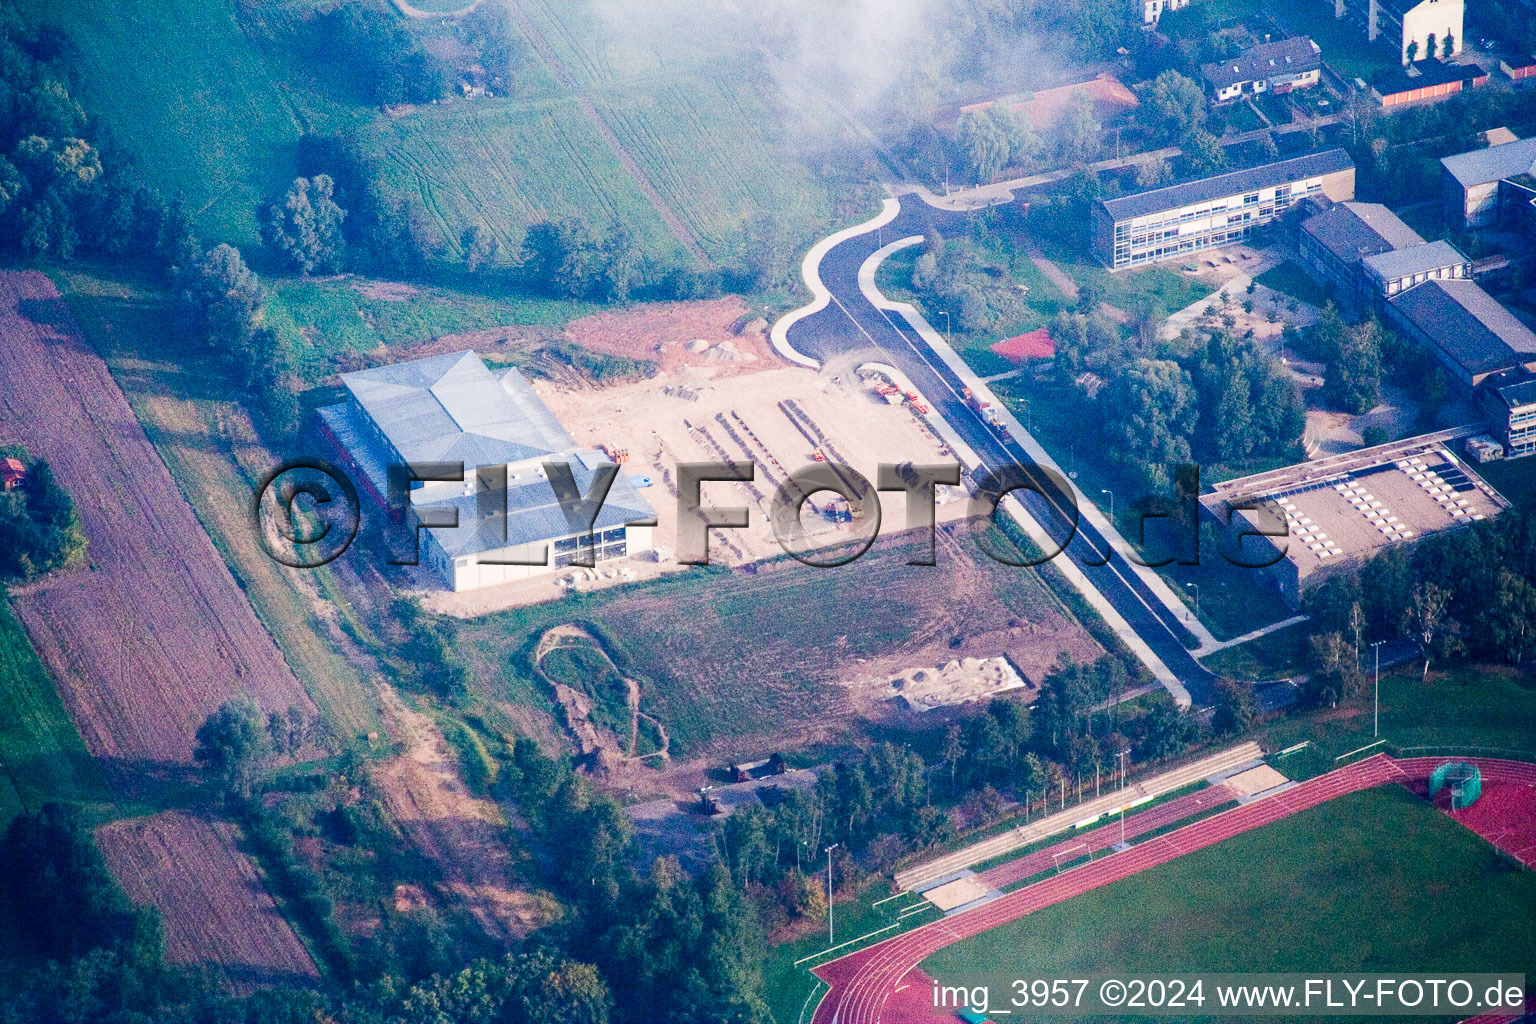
(12,472)
(1034,345)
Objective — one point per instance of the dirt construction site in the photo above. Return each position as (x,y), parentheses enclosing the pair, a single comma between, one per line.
(724,397)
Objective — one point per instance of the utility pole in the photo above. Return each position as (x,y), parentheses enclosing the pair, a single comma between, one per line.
(1106,490)
(1122,767)
(1196,588)
(1376,703)
(829,892)
(945,314)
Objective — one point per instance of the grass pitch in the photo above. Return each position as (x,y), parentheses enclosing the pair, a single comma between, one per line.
(1373,881)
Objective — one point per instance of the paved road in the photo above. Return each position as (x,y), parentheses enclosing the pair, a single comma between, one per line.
(851,323)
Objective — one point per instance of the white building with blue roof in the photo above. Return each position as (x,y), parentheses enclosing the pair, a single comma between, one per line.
(454,409)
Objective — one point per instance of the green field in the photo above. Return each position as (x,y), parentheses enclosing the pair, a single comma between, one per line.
(1514,478)
(41,753)
(1290,279)
(1373,881)
(183,87)
(504,164)
(212,102)
(324,318)
(721,655)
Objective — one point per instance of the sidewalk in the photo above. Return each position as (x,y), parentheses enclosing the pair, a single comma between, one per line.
(1090,511)
(1067,566)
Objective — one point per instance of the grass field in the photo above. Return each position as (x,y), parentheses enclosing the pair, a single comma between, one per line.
(503,165)
(1373,881)
(182,86)
(1466,706)
(1272,656)
(1289,279)
(1515,479)
(212,102)
(1344,46)
(722,655)
(40,748)
(207,441)
(321,318)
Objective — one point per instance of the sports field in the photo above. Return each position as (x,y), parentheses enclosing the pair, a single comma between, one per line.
(1371,881)
(1343,871)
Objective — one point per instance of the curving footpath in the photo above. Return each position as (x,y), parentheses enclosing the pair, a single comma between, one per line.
(861,983)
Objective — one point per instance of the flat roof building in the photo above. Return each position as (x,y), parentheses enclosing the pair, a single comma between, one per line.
(1393,272)
(454,409)
(1277,67)
(1425,82)
(1338,512)
(1177,220)
(1508,403)
(1483,186)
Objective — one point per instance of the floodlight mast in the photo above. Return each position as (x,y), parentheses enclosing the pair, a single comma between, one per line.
(829,892)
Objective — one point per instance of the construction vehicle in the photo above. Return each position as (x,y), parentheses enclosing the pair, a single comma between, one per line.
(983,409)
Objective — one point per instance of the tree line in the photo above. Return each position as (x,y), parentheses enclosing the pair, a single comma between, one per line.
(1227,401)
(1007,758)
(1465,595)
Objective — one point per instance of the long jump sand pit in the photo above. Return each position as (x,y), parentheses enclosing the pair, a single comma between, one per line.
(1255,780)
(954,894)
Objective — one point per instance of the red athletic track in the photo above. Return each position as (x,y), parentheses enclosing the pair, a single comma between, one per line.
(1105,836)
(862,982)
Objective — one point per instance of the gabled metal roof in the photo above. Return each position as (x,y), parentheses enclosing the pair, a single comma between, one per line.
(1469,324)
(453,408)
(1354,230)
(1481,166)
(1283,57)
(533,514)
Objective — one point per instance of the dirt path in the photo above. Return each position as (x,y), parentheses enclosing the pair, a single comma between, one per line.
(578,706)
(1052,272)
(462,834)
(642,180)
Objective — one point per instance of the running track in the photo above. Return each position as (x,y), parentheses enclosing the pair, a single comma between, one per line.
(1106,836)
(862,982)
